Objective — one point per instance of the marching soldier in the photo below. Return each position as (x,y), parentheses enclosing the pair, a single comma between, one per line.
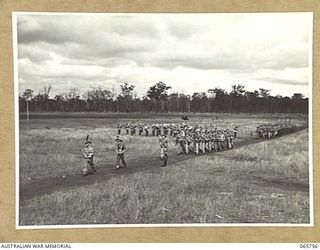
(88,156)
(163,150)
(202,143)
(120,153)
(196,143)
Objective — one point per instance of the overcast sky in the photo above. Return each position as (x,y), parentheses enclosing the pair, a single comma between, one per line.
(189,52)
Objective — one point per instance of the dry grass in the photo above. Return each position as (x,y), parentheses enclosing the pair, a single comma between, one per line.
(260,183)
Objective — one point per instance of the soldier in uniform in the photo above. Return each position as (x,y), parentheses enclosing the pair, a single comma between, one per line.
(157,130)
(235,132)
(165,129)
(140,129)
(146,129)
(207,142)
(202,143)
(133,129)
(195,143)
(120,153)
(88,156)
(127,128)
(119,129)
(153,128)
(163,150)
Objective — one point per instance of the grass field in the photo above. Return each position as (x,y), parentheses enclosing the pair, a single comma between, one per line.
(266,182)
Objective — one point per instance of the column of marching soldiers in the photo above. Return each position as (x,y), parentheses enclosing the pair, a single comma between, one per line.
(271,130)
(196,139)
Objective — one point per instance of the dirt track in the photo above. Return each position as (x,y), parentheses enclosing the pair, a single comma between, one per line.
(106,171)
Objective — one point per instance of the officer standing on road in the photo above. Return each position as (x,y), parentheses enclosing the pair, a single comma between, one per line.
(120,153)
(88,156)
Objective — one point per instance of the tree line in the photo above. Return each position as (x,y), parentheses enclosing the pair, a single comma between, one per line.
(157,99)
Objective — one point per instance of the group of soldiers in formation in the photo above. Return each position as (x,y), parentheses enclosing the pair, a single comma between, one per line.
(195,139)
(269,130)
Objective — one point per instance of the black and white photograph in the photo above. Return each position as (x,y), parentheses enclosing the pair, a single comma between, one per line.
(159,120)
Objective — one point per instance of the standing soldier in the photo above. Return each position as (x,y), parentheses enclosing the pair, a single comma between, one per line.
(120,153)
(196,143)
(202,143)
(119,129)
(133,129)
(127,128)
(146,128)
(140,129)
(165,129)
(157,130)
(215,141)
(171,130)
(235,132)
(88,156)
(207,142)
(231,141)
(163,150)
(188,143)
(153,128)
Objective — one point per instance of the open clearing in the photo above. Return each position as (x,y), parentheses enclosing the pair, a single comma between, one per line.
(256,182)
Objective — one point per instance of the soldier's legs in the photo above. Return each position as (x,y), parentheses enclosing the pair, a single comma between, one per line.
(183,148)
(203,148)
(92,165)
(123,160)
(88,166)
(85,171)
(187,148)
(164,160)
(208,146)
(118,162)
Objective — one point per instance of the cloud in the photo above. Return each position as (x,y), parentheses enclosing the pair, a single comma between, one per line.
(284,81)
(205,49)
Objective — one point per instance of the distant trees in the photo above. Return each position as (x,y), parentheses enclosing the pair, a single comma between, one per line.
(98,99)
(159,94)
(236,98)
(157,99)
(125,99)
(27,95)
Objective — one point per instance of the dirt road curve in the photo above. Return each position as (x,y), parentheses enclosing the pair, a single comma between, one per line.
(106,171)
